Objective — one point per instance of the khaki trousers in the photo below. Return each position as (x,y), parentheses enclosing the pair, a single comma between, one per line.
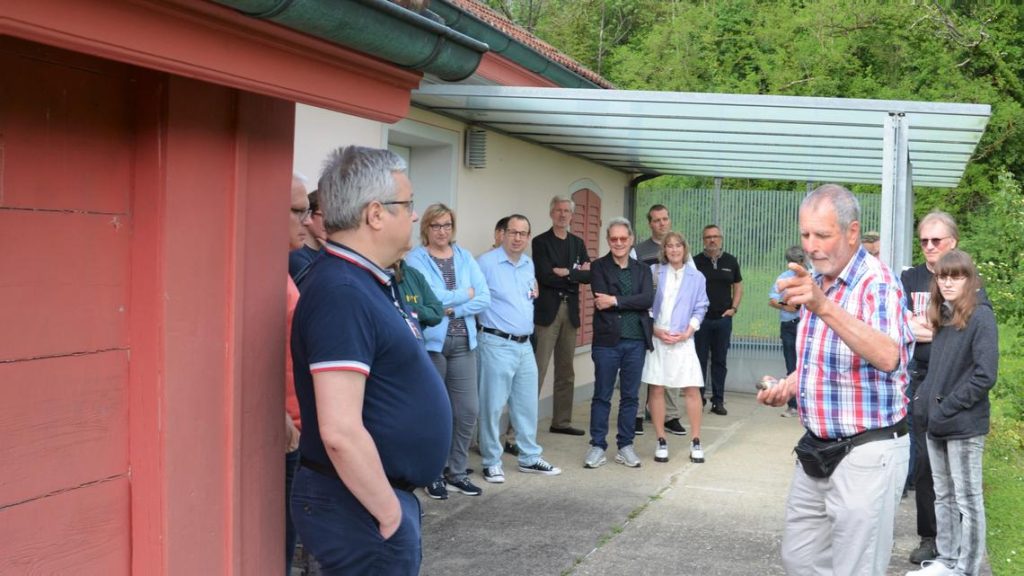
(558,338)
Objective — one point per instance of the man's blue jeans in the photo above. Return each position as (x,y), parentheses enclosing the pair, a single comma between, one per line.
(508,375)
(625,360)
(787,332)
(344,537)
(713,337)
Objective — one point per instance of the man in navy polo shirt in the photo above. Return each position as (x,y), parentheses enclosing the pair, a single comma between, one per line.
(360,368)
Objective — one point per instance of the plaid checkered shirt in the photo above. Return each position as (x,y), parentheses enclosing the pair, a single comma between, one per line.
(841,393)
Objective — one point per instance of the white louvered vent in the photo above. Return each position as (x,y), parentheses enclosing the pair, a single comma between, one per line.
(476,148)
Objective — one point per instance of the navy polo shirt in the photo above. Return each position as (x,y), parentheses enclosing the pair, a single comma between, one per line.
(348,318)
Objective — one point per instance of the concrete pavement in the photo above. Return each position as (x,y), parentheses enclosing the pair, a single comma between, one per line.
(723,517)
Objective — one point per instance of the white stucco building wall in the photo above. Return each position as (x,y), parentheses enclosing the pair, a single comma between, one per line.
(519,177)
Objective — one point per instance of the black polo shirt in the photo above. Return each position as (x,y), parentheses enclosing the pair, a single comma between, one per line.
(720,273)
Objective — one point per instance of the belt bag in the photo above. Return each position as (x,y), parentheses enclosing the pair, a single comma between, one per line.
(820,458)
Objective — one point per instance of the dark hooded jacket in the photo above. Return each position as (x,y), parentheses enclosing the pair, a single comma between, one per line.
(963,367)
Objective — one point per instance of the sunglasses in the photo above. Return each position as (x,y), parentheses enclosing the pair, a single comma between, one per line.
(934,241)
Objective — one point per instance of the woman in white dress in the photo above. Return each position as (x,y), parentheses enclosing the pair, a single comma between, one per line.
(680,302)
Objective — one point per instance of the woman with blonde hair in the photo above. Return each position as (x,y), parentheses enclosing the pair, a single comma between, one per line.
(680,302)
(954,401)
(458,283)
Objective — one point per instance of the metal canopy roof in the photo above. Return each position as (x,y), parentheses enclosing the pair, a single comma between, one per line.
(723,135)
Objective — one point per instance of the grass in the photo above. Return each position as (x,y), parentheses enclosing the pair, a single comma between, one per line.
(1004,461)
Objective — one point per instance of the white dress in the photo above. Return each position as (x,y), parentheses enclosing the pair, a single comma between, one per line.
(675,365)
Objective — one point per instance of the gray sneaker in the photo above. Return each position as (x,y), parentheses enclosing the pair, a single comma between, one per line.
(627,457)
(595,457)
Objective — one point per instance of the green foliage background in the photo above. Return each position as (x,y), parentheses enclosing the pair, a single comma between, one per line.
(903,50)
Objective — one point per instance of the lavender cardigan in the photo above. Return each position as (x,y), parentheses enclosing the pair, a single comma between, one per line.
(691,301)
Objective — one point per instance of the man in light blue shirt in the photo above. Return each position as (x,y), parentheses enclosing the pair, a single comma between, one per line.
(789,318)
(508,368)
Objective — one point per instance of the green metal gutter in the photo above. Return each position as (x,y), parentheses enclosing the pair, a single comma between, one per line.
(378,28)
(501,43)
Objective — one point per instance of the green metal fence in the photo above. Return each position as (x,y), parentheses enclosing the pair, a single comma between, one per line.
(758,226)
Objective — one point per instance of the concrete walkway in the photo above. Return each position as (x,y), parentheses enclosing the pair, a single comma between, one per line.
(723,517)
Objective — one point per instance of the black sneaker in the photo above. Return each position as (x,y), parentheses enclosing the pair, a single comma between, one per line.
(436,490)
(541,467)
(465,486)
(719,409)
(639,431)
(511,449)
(674,427)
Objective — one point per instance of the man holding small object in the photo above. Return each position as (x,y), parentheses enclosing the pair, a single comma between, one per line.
(851,373)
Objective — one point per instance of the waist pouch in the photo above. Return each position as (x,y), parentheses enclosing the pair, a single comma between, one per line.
(820,457)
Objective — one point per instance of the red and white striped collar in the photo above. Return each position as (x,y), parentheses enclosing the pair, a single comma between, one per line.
(383,276)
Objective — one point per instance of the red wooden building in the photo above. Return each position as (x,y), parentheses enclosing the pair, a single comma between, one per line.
(145,151)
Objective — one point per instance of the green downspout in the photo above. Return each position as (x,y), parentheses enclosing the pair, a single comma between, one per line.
(501,43)
(378,28)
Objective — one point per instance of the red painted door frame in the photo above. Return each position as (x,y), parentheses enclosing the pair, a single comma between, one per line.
(205,381)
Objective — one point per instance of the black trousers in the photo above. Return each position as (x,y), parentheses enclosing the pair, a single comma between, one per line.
(924,491)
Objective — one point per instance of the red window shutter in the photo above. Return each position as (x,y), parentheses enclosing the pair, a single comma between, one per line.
(586,223)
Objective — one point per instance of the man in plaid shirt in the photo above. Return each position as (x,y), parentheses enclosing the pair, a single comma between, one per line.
(852,354)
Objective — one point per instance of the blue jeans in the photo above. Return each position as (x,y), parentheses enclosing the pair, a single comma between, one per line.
(959,504)
(344,537)
(291,464)
(787,332)
(625,360)
(508,375)
(713,338)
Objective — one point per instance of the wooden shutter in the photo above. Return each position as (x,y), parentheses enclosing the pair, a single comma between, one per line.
(586,223)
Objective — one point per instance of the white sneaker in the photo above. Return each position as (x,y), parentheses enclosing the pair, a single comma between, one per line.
(696,452)
(595,457)
(494,474)
(661,451)
(931,568)
(627,457)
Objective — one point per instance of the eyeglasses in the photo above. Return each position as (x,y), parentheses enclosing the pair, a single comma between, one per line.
(517,233)
(934,241)
(618,239)
(407,203)
(947,278)
(438,227)
(301,214)
(318,213)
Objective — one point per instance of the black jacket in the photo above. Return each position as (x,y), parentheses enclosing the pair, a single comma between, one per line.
(547,257)
(962,369)
(604,279)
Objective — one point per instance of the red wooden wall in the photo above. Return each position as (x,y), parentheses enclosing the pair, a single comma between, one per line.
(141,317)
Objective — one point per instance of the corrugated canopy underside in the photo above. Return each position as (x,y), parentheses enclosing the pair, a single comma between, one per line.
(723,135)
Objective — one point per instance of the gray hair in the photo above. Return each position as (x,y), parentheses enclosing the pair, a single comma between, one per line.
(354,176)
(945,218)
(842,200)
(555,200)
(620,221)
(795,254)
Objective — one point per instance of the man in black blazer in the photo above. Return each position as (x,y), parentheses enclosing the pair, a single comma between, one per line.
(562,264)
(623,295)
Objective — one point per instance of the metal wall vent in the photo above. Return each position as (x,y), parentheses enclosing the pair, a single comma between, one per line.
(476,148)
